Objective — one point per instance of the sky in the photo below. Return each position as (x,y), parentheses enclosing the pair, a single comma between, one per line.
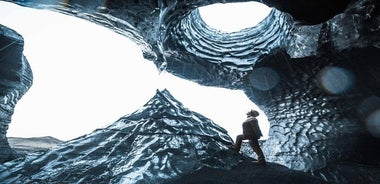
(234,16)
(87,77)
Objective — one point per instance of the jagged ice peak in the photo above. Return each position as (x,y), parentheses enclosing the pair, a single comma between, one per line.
(159,142)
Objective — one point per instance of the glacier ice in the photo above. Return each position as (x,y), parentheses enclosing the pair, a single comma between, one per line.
(161,141)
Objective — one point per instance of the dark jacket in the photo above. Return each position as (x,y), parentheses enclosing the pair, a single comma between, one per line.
(251,127)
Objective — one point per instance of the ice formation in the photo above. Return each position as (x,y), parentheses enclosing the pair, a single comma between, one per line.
(161,141)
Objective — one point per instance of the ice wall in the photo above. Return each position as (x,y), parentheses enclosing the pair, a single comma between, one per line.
(15,80)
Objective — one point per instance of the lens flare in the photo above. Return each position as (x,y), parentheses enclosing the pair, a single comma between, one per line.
(373,123)
(264,78)
(335,80)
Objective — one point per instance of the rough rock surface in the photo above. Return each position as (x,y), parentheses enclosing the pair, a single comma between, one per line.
(311,66)
(162,140)
(247,173)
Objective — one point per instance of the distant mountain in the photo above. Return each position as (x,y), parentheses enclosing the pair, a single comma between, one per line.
(161,141)
(28,145)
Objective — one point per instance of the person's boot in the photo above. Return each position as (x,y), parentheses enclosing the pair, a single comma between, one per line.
(260,155)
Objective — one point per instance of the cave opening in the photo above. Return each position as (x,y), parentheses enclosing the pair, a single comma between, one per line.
(233,17)
(84,81)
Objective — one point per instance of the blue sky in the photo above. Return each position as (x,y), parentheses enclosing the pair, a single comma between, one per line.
(87,77)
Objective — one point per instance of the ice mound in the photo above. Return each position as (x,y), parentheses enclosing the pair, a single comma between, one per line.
(161,141)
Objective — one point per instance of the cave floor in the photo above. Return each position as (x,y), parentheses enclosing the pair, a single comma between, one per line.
(248,172)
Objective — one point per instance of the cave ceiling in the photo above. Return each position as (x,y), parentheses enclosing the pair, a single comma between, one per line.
(311,66)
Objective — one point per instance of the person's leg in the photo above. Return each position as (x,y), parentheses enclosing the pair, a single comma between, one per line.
(239,140)
(254,143)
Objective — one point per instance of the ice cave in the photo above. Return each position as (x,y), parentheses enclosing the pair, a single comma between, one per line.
(311,66)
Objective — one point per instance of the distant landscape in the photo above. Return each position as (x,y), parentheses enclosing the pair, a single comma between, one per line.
(27,145)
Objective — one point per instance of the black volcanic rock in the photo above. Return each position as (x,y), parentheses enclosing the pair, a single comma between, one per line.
(162,140)
(248,173)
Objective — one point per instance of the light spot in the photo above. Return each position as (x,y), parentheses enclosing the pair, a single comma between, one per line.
(368,106)
(264,78)
(335,80)
(373,123)
(232,17)
(369,111)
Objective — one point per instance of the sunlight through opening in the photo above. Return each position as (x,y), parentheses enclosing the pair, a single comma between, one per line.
(233,17)
(84,79)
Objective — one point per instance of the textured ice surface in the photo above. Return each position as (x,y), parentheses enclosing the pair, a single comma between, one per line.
(15,80)
(160,141)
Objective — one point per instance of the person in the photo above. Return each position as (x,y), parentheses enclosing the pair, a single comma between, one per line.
(251,132)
